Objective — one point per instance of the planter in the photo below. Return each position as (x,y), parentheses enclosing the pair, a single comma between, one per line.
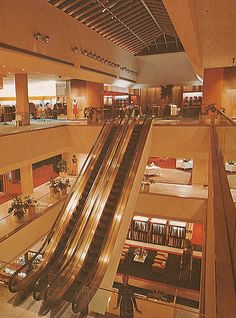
(17,220)
(51,192)
(64,191)
(57,195)
(62,174)
(31,211)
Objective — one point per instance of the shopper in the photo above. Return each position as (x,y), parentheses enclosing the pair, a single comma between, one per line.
(126,300)
(75,108)
(74,160)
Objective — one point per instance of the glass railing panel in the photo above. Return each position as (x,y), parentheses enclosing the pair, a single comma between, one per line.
(9,222)
(150,306)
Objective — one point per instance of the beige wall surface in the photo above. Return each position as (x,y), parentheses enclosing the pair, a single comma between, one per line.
(19,150)
(20,21)
(23,149)
(170,207)
(180,141)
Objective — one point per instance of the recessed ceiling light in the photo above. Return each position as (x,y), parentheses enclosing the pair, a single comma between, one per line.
(22,69)
(4,66)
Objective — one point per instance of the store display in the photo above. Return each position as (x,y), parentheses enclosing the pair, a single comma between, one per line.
(192,104)
(139,229)
(159,231)
(177,233)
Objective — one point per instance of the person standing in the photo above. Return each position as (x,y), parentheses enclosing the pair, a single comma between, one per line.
(75,108)
(126,300)
(74,170)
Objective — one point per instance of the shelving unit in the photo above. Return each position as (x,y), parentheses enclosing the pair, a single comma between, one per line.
(192,104)
(177,233)
(158,231)
(139,229)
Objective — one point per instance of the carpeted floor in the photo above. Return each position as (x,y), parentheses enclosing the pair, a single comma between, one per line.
(169,276)
(172,176)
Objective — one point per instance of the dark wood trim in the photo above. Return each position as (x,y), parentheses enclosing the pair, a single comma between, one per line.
(42,56)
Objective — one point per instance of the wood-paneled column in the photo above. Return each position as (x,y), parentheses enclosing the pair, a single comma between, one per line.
(22,101)
(26,174)
(213,87)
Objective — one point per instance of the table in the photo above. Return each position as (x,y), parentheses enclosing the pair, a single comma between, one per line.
(182,164)
(231,167)
(140,258)
(152,170)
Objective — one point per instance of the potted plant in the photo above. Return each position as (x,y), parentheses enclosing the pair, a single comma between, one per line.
(92,114)
(17,208)
(55,188)
(29,204)
(64,184)
(166,93)
(62,167)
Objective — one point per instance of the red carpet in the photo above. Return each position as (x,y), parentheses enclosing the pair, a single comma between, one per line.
(197,234)
(40,175)
(43,174)
(163,162)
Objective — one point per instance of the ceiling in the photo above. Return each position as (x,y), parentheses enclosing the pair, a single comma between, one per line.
(207,29)
(141,27)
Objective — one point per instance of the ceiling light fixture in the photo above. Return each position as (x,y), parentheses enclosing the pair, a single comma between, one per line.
(46,38)
(37,36)
(74,49)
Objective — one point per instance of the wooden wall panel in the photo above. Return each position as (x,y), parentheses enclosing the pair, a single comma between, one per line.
(213,87)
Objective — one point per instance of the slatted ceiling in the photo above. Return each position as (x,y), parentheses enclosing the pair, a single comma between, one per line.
(66,4)
(138,26)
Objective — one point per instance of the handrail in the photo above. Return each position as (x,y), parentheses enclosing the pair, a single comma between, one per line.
(81,239)
(225,233)
(147,299)
(61,219)
(98,272)
(225,117)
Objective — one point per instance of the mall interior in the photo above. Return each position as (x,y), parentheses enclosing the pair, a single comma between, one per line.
(118,158)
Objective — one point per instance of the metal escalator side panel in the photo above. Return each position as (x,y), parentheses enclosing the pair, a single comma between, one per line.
(93,282)
(59,225)
(104,259)
(80,220)
(81,230)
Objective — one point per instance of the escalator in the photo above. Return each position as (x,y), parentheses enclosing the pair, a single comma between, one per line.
(82,236)
(66,220)
(92,273)
(108,213)
(72,279)
(81,242)
(80,225)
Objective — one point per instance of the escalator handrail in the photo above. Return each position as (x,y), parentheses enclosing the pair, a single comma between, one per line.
(127,185)
(65,266)
(68,241)
(65,247)
(58,219)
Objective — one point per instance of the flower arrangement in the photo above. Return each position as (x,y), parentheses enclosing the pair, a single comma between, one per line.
(17,207)
(64,183)
(55,185)
(29,201)
(62,166)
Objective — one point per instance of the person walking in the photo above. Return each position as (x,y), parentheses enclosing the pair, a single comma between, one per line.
(126,300)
